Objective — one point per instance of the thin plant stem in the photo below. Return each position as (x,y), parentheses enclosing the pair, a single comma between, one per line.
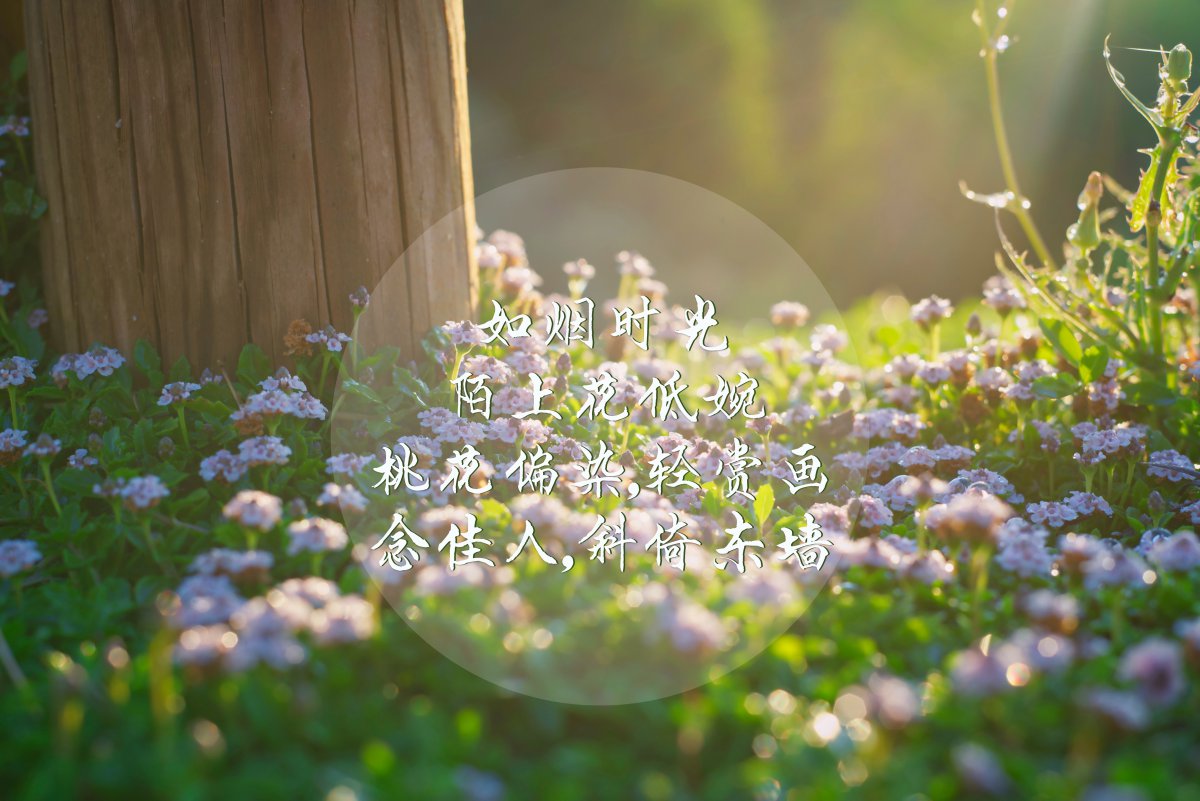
(148,537)
(16,473)
(1007,165)
(980,555)
(324,373)
(10,663)
(1151,307)
(50,486)
(183,427)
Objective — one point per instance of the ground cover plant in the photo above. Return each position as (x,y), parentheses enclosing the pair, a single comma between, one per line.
(1012,498)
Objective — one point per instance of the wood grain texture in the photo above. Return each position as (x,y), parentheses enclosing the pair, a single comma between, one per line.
(218,168)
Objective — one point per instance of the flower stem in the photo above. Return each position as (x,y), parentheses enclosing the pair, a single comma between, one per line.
(990,56)
(979,577)
(16,472)
(50,486)
(149,538)
(10,663)
(1150,301)
(183,427)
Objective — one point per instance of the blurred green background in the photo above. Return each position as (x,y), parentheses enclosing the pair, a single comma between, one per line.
(845,125)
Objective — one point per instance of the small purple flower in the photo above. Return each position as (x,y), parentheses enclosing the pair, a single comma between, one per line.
(1179,552)
(17,556)
(1155,665)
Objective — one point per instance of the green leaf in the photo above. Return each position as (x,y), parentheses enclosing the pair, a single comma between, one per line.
(15,192)
(76,482)
(148,361)
(1141,200)
(886,335)
(207,406)
(764,504)
(29,342)
(1031,439)
(253,365)
(1055,386)
(361,390)
(18,66)
(1148,393)
(1152,116)
(1093,364)
(492,510)
(181,370)
(142,433)
(712,503)
(1063,340)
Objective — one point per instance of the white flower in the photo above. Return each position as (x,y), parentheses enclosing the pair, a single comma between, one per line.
(342,620)
(204,600)
(630,262)
(1160,463)
(223,465)
(1155,665)
(238,564)
(99,360)
(348,464)
(509,245)
(931,310)
(579,270)
(254,509)
(44,447)
(316,534)
(12,442)
(887,424)
(360,297)
(464,334)
(344,497)
(1051,513)
(286,395)
(17,556)
(283,380)
(313,590)
(1052,611)
(827,339)
(1114,568)
(143,492)
(264,450)
(16,371)
(177,391)
(81,460)
(1025,556)
(972,516)
(789,314)
(203,645)
(331,339)
(1001,295)
(1179,552)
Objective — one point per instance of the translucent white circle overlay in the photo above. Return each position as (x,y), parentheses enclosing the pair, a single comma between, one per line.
(593,635)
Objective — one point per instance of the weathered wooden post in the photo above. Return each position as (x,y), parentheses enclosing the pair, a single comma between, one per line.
(216,170)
